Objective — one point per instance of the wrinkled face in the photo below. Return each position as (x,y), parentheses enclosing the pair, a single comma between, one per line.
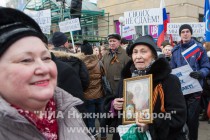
(28,76)
(185,35)
(142,56)
(167,50)
(96,51)
(114,43)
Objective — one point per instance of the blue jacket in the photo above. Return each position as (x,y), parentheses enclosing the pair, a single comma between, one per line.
(198,62)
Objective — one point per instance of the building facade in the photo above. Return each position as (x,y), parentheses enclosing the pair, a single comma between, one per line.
(179,10)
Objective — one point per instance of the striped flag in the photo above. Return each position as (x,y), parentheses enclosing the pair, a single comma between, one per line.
(206,19)
(163,27)
(191,51)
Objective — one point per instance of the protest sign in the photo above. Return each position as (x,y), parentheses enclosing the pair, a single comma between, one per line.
(128,30)
(42,17)
(144,17)
(70,25)
(188,84)
(198,28)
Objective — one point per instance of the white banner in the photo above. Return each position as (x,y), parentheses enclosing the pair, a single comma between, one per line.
(198,28)
(43,18)
(176,37)
(188,84)
(70,25)
(46,29)
(128,30)
(144,17)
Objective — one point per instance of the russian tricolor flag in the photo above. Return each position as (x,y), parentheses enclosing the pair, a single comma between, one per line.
(191,51)
(162,28)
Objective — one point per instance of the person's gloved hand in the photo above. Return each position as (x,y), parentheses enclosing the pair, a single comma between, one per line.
(196,74)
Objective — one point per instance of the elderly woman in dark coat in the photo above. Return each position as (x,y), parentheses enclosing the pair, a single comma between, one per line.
(170,101)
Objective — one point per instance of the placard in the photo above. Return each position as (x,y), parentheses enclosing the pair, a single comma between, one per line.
(188,84)
(198,28)
(144,17)
(70,25)
(128,30)
(42,17)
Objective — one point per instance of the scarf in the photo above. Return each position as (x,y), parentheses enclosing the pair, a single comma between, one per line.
(114,57)
(48,124)
(136,72)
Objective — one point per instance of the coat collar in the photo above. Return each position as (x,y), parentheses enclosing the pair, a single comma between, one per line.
(118,50)
(160,69)
(64,101)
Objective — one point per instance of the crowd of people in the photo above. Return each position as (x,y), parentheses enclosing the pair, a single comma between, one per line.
(48,87)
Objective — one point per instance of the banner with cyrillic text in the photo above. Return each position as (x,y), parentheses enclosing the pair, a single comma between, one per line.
(198,28)
(128,30)
(42,17)
(188,84)
(144,17)
(69,25)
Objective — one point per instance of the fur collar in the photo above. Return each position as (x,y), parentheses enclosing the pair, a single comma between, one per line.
(160,70)
(63,55)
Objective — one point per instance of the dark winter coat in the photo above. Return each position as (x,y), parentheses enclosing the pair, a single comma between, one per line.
(113,71)
(69,81)
(77,64)
(160,129)
(206,85)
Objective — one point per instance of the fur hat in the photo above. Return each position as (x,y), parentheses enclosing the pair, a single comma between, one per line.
(115,36)
(143,40)
(14,25)
(86,48)
(59,39)
(185,26)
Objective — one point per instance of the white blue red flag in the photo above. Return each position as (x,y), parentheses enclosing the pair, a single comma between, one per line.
(207,20)
(163,27)
(191,51)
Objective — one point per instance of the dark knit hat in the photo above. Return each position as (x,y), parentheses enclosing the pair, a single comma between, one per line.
(185,26)
(115,36)
(143,40)
(14,25)
(86,48)
(59,39)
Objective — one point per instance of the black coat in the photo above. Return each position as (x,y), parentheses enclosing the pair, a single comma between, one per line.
(160,129)
(76,63)
(69,81)
(206,86)
(80,69)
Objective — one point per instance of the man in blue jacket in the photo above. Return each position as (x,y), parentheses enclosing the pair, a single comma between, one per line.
(200,64)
